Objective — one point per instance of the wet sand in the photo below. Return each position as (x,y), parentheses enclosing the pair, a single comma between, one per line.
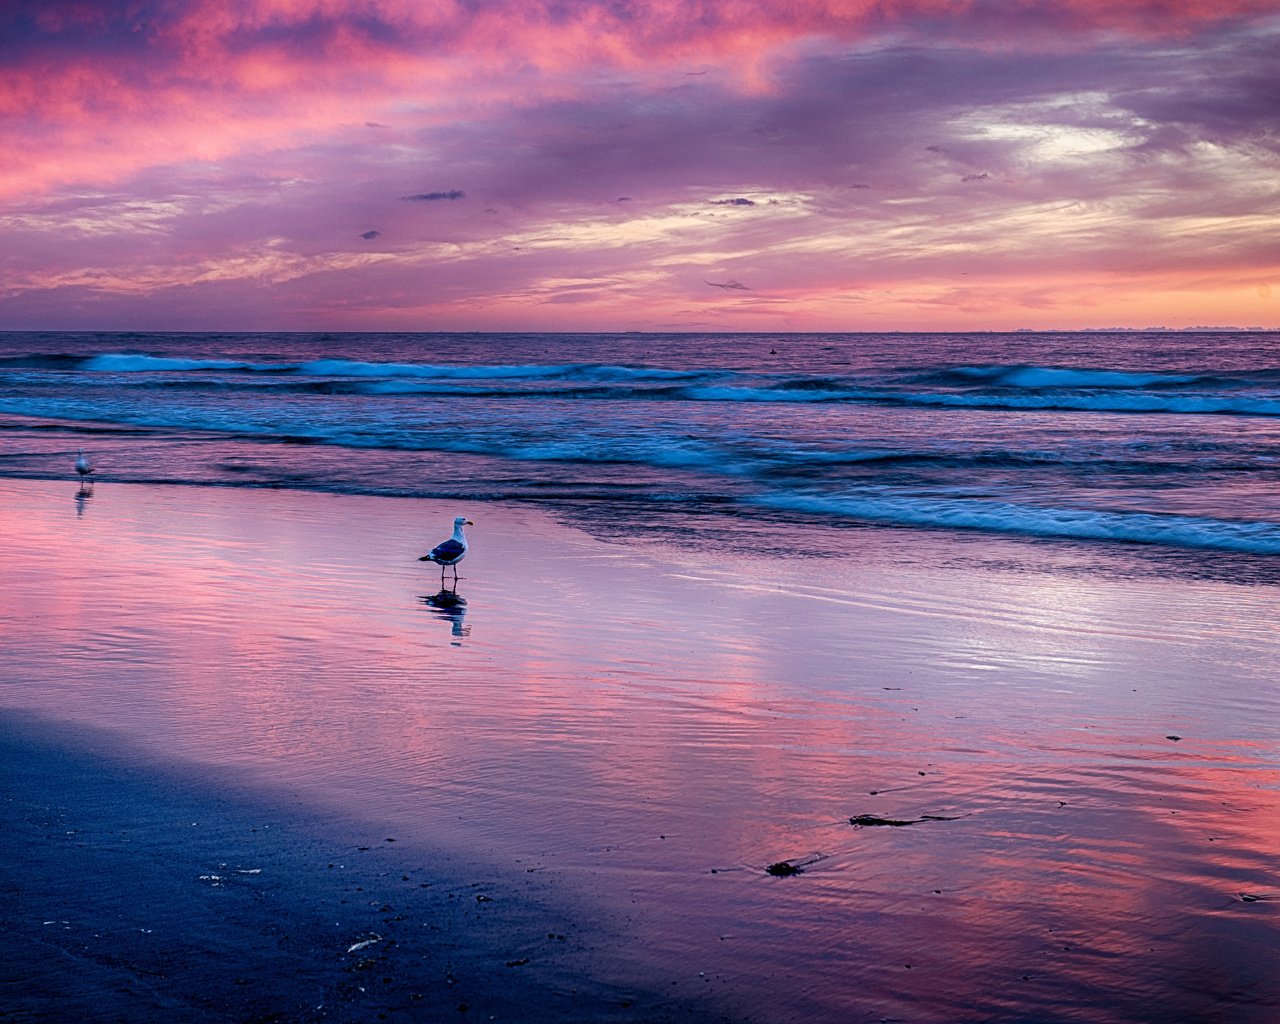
(141,890)
(613,728)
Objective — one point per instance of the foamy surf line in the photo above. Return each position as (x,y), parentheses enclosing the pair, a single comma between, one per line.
(124,362)
(1112,401)
(991,387)
(1258,538)
(1101,401)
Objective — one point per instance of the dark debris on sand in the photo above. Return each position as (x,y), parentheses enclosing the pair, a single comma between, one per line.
(871,820)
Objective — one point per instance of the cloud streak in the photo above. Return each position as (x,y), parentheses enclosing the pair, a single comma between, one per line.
(429,197)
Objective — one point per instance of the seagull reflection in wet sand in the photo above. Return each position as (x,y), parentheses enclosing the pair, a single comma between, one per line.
(449,605)
(83,493)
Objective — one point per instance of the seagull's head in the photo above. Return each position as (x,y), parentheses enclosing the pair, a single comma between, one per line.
(463,521)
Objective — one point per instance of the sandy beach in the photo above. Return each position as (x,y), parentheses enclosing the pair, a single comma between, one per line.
(138,889)
(1021,780)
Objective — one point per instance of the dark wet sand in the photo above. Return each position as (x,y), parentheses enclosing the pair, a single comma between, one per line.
(136,890)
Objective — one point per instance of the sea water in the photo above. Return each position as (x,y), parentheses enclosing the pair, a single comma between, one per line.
(1141,437)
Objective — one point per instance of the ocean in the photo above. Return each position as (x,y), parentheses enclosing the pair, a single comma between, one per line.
(1169,439)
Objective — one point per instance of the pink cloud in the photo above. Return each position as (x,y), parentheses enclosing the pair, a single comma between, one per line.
(96,90)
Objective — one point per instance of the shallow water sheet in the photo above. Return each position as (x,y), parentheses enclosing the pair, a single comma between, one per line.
(648,721)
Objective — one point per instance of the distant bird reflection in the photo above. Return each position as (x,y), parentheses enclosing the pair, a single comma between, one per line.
(449,605)
(84,493)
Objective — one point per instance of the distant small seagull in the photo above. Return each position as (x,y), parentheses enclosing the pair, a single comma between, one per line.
(727,285)
(452,551)
(82,463)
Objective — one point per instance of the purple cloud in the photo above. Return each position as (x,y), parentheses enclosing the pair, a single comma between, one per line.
(429,197)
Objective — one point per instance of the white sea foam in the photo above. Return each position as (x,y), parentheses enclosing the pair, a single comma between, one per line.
(123,362)
(1224,403)
(1006,517)
(1055,377)
(1114,401)
(579,371)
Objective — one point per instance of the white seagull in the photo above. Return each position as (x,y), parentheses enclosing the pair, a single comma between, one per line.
(452,551)
(82,463)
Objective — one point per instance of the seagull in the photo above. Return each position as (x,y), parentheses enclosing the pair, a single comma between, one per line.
(452,551)
(82,463)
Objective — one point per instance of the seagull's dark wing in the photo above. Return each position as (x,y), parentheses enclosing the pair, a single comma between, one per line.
(450,551)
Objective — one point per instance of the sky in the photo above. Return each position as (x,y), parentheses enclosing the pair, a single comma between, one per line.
(665,165)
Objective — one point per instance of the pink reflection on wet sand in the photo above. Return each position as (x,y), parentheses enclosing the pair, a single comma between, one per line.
(659,723)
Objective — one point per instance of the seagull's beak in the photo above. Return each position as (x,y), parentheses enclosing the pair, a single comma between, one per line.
(468,523)
(425,558)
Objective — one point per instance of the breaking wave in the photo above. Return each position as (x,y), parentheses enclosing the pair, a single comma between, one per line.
(1055,377)
(986,387)
(120,362)
(1005,517)
(128,363)
(1123,401)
